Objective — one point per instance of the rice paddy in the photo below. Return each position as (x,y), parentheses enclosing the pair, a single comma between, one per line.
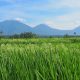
(40,59)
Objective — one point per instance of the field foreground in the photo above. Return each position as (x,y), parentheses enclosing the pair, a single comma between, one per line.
(40,59)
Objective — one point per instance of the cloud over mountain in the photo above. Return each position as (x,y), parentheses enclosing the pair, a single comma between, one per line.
(10,27)
(64,14)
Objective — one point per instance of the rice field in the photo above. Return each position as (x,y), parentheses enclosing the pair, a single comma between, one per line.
(40,59)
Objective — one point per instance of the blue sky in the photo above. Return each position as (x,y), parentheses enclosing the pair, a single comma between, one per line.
(61,14)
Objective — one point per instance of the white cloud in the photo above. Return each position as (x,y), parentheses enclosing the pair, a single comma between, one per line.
(70,3)
(68,21)
(19,19)
(64,3)
(58,25)
(63,20)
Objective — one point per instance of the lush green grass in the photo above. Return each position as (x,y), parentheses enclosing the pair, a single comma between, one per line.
(40,59)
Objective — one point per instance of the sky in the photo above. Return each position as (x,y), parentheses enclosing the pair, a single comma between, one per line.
(59,14)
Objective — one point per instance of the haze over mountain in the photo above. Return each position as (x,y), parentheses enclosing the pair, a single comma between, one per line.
(10,27)
(60,14)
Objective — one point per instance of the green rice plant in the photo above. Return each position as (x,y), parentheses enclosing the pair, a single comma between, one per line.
(39,59)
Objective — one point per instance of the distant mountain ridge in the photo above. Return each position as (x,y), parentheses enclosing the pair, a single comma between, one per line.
(10,27)
(13,27)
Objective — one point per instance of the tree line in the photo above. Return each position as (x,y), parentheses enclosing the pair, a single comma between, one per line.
(21,35)
(32,35)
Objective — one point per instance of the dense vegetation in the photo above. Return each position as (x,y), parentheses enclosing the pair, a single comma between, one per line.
(40,59)
(24,35)
(20,35)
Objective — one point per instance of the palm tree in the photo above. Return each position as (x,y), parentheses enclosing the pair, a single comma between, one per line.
(1,33)
(75,33)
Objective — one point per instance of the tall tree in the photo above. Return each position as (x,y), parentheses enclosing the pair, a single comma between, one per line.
(75,33)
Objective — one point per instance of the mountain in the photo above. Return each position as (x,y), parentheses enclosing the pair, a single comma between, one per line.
(44,29)
(77,30)
(10,27)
